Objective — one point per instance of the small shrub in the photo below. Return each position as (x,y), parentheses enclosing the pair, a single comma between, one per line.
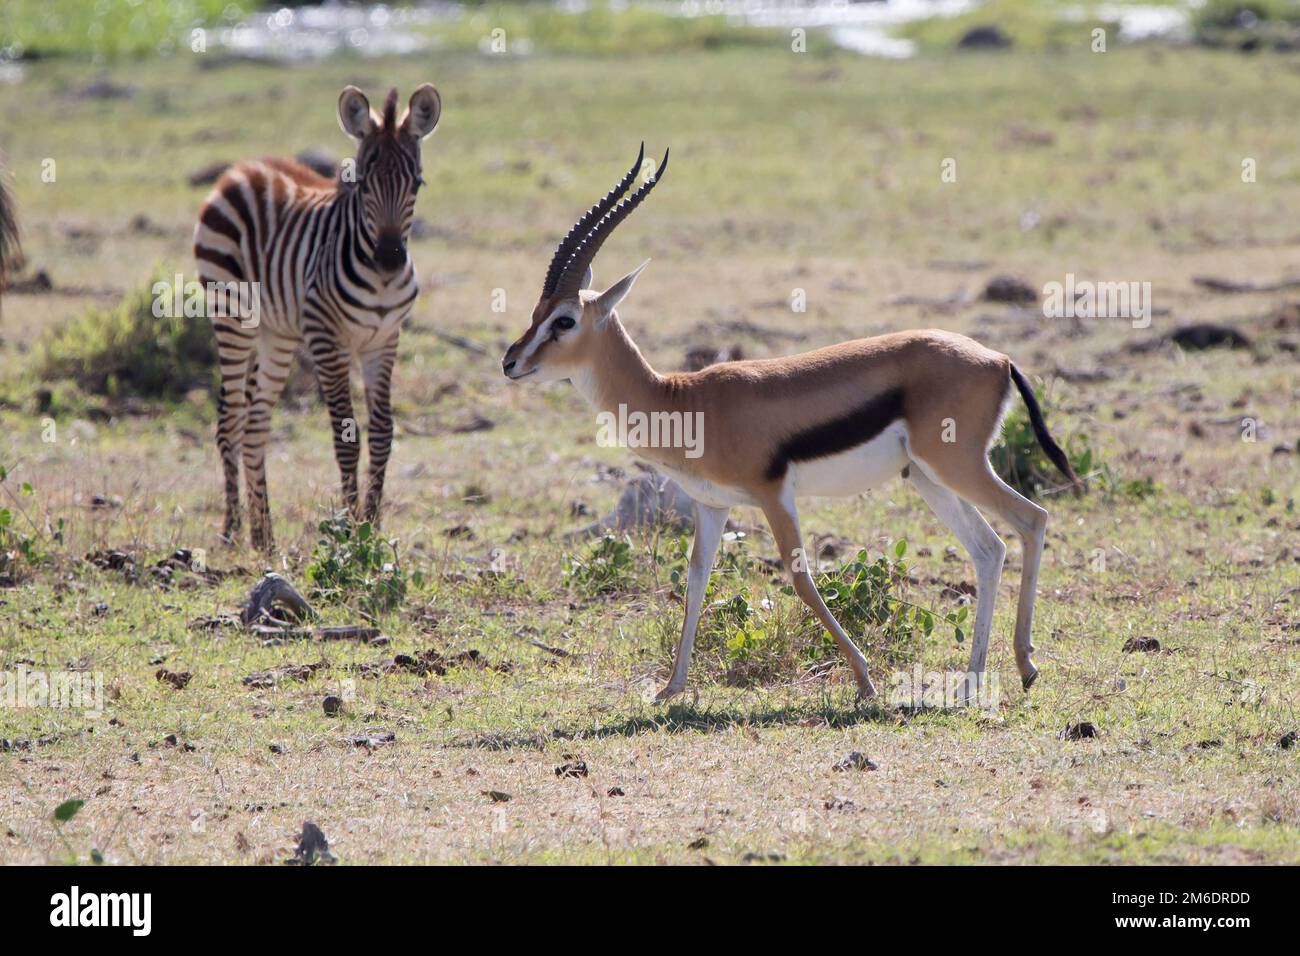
(744,642)
(1020,462)
(1242,14)
(733,559)
(351,562)
(126,350)
(866,597)
(606,567)
(20,539)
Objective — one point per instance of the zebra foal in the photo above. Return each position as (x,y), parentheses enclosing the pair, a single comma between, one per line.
(289,257)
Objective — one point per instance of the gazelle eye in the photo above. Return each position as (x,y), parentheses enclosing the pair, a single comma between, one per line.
(563,323)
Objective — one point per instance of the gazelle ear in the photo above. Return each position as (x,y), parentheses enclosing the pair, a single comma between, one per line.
(355,115)
(423,113)
(608,300)
(587,278)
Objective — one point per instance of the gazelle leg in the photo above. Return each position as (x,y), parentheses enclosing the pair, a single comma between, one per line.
(986,551)
(709,523)
(986,490)
(784,520)
(1030,522)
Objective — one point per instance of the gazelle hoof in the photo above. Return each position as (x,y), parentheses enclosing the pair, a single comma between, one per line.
(667,692)
(867,691)
(1027,680)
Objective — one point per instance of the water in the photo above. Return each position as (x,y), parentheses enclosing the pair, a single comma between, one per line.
(315,32)
(864,28)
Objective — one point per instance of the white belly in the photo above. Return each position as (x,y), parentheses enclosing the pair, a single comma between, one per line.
(854,471)
(707,492)
(848,473)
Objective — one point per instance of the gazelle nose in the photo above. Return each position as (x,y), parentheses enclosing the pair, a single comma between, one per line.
(507,364)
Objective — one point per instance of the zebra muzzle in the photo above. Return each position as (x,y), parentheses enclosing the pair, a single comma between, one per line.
(390,253)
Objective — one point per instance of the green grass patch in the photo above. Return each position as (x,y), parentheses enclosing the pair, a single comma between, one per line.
(131,350)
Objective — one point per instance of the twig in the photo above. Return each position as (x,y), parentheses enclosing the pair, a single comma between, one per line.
(461,342)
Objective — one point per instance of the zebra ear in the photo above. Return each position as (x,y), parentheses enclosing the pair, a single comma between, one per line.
(423,113)
(355,116)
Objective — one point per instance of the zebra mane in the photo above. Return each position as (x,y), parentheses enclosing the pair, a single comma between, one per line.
(390,110)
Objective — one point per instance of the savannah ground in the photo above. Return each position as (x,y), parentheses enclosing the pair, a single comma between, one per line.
(818,172)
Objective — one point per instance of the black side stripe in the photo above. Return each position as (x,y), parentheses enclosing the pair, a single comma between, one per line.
(856,427)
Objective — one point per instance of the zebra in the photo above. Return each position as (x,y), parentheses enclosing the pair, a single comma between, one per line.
(10,246)
(289,258)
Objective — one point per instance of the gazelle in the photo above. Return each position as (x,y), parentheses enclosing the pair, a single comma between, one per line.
(834,421)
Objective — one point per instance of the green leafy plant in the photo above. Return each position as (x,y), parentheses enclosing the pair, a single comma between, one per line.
(20,538)
(353,563)
(866,597)
(1018,458)
(732,560)
(1020,461)
(605,568)
(746,641)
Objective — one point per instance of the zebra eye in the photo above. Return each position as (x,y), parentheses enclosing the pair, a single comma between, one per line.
(419,181)
(564,323)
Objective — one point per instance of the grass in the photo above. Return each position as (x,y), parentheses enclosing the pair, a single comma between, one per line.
(822,176)
(111,29)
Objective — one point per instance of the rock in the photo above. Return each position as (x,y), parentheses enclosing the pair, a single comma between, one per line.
(273,592)
(1144,645)
(1208,335)
(179,681)
(647,501)
(373,740)
(1084,730)
(986,37)
(575,768)
(332,705)
(855,761)
(312,847)
(105,89)
(1011,290)
(38,284)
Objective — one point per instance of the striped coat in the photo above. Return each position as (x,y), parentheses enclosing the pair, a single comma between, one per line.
(289,258)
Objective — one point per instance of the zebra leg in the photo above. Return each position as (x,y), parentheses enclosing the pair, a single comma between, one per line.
(234,349)
(377,369)
(266,382)
(333,366)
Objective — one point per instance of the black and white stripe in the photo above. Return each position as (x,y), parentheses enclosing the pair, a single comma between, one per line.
(319,263)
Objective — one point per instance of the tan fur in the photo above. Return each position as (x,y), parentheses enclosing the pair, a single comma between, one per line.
(750,406)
